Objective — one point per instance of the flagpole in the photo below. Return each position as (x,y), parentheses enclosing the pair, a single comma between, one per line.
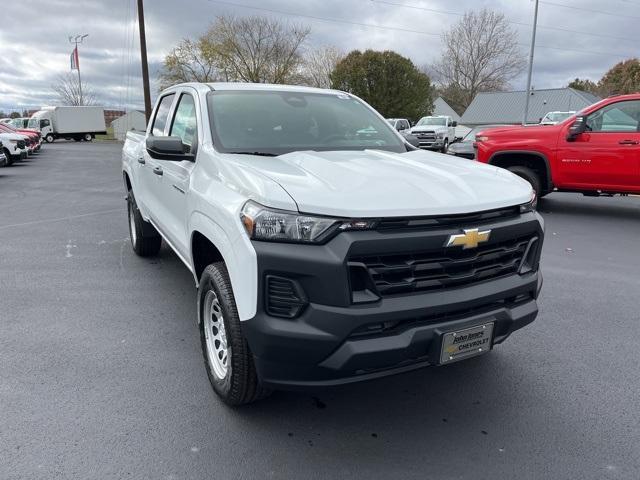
(77,40)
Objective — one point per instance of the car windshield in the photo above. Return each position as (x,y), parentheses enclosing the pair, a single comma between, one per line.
(279,122)
(438,121)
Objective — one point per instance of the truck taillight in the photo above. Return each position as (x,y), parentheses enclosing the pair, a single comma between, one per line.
(481,138)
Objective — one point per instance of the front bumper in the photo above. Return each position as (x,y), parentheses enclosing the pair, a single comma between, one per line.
(335,341)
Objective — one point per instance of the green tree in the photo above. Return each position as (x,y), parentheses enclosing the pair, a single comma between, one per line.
(623,77)
(584,85)
(386,80)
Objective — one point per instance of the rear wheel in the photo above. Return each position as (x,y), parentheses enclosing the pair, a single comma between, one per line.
(228,360)
(88,137)
(145,239)
(529,175)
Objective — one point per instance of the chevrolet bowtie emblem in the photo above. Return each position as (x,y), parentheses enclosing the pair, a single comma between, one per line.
(469,239)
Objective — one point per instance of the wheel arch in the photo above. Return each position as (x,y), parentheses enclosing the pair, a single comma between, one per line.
(536,161)
(209,243)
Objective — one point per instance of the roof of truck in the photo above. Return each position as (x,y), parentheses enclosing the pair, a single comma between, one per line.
(258,86)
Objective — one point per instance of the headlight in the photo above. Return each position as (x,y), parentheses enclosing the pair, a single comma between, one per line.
(531,205)
(268,224)
(440,135)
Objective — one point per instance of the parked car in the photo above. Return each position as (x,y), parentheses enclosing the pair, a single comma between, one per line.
(595,152)
(465,147)
(552,118)
(18,122)
(3,156)
(323,256)
(32,138)
(14,147)
(78,123)
(400,124)
(435,132)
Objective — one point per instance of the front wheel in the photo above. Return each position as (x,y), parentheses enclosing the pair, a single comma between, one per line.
(49,138)
(227,358)
(445,147)
(529,175)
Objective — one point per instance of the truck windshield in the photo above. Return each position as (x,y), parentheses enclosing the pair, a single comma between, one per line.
(279,122)
(437,121)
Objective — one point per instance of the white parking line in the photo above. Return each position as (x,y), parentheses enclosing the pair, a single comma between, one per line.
(62,219)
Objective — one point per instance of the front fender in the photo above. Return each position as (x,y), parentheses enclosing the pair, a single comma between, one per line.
(239,257)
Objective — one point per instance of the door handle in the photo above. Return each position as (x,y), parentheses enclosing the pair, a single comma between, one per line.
(158,171)
(628,142)
(141,160)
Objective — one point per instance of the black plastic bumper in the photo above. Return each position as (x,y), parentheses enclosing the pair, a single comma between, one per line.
(330,343)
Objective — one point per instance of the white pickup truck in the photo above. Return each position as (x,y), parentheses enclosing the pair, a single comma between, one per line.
(324,247)
(434,132)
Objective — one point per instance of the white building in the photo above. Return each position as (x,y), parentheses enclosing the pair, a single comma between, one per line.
(133,120)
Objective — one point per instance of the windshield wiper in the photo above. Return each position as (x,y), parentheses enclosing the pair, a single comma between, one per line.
(259,154)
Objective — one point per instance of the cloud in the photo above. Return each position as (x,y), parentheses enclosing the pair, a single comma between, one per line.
(34,49)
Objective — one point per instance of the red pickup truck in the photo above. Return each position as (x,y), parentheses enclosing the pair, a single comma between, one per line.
(594,152)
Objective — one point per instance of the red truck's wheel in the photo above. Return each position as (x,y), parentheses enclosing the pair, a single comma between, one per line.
(529,175)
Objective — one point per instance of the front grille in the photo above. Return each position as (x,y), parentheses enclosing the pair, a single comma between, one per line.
(284,297)
(407,273)
(426,135)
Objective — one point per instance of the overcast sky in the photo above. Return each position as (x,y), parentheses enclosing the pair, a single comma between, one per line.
(34,46)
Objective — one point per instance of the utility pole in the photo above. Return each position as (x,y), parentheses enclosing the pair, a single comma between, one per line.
(145,65)
(77,40)
(533,46)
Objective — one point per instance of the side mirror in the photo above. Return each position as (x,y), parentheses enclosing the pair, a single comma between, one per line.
(412,140)
(168,148)
(578,127)
(454,124)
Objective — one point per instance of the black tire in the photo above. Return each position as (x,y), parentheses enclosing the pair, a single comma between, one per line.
(49,138)
(9,158)
(145,239)
(240,384)
(445,147)
(87,137)
(529,175)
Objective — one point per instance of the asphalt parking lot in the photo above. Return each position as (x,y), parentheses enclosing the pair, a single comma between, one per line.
(101,374)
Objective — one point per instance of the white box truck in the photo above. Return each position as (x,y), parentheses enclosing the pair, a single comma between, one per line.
(78,123)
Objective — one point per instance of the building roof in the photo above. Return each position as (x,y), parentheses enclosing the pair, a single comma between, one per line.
(508,107)
(440,107)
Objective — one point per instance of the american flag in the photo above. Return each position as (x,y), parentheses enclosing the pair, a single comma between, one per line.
(75,61)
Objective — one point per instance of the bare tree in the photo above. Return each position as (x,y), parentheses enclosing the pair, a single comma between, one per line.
(318,66)
(481,54)
(258,49)
(252,49)
(68,89)
(192,61)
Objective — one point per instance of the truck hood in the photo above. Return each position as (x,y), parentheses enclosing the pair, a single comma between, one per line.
(428,128)
(12,136)
(374,183)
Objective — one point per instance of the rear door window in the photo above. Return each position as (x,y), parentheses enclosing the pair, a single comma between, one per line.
(162,114)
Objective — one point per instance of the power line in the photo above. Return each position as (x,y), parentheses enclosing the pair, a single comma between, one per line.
(591,10)
(512,22)
(399,29)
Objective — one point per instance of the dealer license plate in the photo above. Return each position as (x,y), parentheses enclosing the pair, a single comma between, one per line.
(466,343)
